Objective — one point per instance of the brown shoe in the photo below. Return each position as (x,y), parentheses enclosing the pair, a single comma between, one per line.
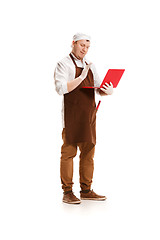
(91,196)
(70,198)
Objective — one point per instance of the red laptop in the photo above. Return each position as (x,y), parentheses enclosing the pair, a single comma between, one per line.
(113,76)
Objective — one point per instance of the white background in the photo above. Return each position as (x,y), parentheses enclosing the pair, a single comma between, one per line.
(34,36)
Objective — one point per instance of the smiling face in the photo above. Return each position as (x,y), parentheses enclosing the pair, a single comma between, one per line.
(80,48)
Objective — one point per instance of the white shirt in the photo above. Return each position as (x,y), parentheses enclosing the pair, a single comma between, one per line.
(65,71)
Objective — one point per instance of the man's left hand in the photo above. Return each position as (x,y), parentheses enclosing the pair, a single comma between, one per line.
(107,88)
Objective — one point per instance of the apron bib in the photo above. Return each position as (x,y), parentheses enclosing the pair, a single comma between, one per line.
(80,111)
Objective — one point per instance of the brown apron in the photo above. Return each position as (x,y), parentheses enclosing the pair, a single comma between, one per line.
(80,111)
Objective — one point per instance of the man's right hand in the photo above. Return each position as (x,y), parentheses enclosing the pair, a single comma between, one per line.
(71,85)
(85,71)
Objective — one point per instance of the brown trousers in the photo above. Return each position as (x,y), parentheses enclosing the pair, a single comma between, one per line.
(86,164)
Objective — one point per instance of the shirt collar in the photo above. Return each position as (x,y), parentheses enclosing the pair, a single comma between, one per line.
(84,59)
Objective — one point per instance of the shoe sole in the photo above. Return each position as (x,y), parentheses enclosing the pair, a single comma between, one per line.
(95,199)
(76,202)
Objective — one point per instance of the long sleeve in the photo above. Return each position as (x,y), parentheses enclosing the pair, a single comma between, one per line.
(61,77)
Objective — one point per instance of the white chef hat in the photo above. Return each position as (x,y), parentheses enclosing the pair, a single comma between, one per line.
(80,36)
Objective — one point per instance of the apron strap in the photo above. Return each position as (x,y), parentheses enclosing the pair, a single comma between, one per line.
(72,59)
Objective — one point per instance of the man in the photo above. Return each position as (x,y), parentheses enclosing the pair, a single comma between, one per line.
(78,117)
